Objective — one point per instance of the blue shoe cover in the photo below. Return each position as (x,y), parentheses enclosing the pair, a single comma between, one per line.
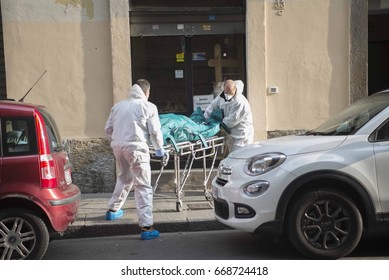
(149,234)
(113,215)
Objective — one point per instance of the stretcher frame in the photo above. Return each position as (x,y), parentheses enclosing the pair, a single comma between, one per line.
(197,150)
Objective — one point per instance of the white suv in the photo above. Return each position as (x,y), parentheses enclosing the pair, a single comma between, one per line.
(321,189)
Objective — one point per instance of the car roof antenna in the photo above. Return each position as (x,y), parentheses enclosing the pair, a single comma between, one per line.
(22,99)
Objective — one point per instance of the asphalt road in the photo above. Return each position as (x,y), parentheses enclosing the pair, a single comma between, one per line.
(205,245)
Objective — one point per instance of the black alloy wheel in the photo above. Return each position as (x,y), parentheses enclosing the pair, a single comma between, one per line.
(324,224)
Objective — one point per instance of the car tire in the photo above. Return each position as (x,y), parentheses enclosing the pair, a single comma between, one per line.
(324,224)
(23,235)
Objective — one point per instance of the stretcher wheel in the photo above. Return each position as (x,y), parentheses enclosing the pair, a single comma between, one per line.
(178,206)
(208,196)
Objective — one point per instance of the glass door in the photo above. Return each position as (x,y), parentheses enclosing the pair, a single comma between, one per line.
(186,71)
(161,61)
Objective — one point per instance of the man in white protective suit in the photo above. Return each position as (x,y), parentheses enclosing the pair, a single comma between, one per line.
(237,118)
(132,125)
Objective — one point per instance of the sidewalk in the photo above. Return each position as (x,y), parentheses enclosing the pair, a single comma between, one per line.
(197,214)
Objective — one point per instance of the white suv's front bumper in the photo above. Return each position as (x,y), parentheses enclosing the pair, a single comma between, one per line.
(238,209)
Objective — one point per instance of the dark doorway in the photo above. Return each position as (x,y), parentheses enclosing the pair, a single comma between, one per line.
(378,66)
(182,68)
(186,48)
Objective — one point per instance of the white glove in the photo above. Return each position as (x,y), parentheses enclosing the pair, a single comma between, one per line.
(160,152)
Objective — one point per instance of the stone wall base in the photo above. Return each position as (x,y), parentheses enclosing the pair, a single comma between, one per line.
(93,164)
(94,169)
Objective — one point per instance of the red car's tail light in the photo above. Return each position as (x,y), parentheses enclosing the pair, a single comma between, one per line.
(47,166)
(47,163)
(43,142)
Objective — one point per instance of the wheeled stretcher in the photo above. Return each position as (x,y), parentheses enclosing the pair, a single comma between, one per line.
(196,150)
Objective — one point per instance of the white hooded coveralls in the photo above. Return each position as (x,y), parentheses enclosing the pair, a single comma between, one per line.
(237,117)
(132,124)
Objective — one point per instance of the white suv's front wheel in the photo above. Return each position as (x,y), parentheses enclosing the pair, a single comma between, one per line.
(324,224)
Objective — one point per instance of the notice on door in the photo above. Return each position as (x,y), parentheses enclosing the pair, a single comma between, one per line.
(179,74)
(180,57)
(199,56)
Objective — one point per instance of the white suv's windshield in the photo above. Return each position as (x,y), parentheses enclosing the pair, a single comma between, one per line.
(353,118)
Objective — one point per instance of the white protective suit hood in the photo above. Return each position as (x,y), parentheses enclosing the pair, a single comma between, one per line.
(135,120)
(137,92)
(237,116)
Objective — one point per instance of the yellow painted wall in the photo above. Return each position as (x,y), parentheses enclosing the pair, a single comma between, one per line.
(256,65)
(307,51)
(72,41)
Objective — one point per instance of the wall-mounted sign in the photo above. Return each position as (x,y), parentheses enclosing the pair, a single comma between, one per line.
(207,27)
(202,101)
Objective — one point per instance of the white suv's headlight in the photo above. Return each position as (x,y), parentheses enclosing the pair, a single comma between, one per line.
(260,164)
(224,170)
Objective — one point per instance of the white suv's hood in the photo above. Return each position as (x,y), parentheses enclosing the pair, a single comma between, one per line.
(289,145)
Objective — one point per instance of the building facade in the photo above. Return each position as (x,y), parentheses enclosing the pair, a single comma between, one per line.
(302,61)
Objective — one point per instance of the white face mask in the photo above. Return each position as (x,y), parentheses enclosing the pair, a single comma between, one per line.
(228,96)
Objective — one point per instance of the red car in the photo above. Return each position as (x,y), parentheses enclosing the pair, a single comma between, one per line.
(37,196)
